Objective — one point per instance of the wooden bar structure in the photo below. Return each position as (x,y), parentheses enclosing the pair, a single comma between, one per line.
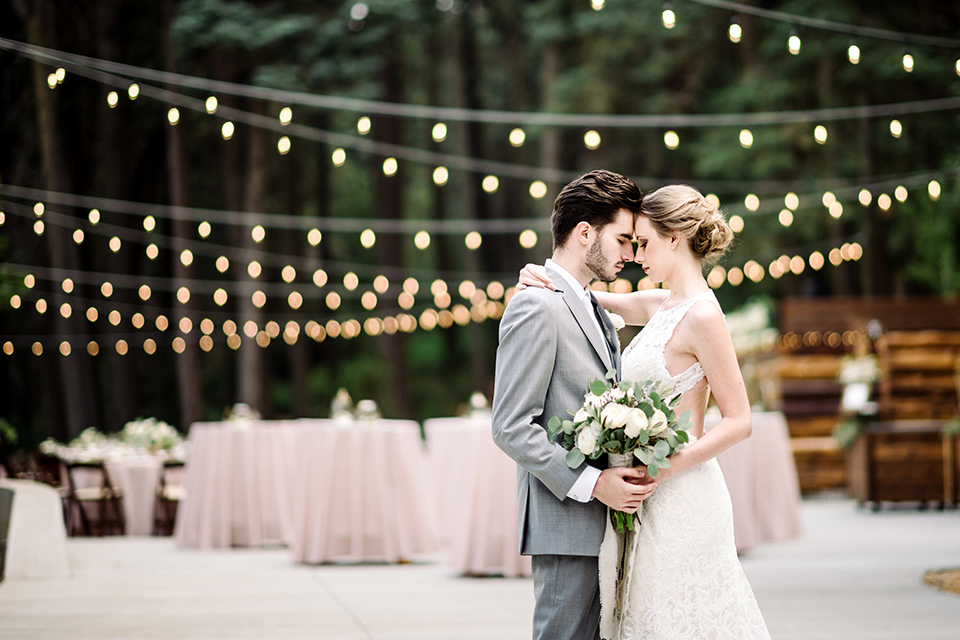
(918,349)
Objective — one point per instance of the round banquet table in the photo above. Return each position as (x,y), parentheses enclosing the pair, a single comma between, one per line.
(237,485)
(762,479)
(476,495)
(362,493)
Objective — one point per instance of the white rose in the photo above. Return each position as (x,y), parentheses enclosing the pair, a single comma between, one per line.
(592,401)
(658,423)
(581,416)
(617,321)
(636,422)
(615,416)
(587,441)
(617,393)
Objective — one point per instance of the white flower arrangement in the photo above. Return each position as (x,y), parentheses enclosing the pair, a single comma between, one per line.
(616,319)
(150,434)
(629,420)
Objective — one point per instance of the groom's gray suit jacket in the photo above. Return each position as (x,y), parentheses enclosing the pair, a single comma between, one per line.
(549,353)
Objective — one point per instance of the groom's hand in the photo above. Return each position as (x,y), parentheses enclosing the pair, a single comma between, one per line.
(623,489)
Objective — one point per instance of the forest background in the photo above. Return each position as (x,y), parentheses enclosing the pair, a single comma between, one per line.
(299,193)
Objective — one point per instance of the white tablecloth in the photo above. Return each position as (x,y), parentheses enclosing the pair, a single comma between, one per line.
(477,497)
(237,485)
(362,493)
(762,479)
(37,538)
(333,492)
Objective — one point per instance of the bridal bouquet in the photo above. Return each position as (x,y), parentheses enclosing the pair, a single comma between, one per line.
(629,422)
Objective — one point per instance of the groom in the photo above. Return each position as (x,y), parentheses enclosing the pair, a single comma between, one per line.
(553,344)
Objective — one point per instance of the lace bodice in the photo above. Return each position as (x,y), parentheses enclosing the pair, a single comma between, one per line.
(644,359)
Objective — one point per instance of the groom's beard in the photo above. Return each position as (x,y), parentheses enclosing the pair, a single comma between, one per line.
(598,264)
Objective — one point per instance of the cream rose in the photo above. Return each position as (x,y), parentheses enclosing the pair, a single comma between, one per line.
(587,441)
(581,416)
(658,423)
(636,422)
(615,416)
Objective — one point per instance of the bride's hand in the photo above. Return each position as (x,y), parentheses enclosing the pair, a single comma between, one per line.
(534,275)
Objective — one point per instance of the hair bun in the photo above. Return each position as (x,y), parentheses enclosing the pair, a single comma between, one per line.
(713,235)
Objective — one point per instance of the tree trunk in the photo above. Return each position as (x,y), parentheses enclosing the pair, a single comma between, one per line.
(126,401)
(80,408)
(188,362)
(253,361)
(390,206)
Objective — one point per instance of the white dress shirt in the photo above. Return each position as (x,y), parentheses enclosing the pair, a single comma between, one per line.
(582,489)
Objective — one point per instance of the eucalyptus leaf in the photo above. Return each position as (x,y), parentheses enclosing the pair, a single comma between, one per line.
(653,469)
(611,375)
(661,449)
(597,387)
(644,455)
(575,458)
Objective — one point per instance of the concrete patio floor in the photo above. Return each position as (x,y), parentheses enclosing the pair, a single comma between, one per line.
(853,575)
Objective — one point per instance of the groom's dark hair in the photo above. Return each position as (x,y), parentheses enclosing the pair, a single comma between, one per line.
(594,197)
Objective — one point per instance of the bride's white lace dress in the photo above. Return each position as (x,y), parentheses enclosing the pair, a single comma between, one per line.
(684,579)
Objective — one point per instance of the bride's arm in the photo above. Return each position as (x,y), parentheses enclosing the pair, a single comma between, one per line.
(635,308)
(710,342)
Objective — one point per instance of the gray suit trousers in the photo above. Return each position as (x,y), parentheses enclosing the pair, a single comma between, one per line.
(567,590)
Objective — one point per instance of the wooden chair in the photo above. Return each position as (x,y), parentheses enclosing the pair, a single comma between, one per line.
(169,495)
(102,494)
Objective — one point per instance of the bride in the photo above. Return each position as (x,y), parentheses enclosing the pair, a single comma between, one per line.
(683,577)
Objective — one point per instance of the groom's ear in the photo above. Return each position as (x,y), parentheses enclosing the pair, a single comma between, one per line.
(583,232)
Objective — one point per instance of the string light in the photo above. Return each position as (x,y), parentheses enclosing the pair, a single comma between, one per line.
(338,157)
(820,134)
(133,91)
(668,17)
(933,190)
(751,202)
(173,115)
(283,145)
(908,62)
(884,202)
(258,233)
(390,167)
(439,132)
(491,184)
(94,217)
(785,217)
(734,31)
(368,238)
(211,104)
(671,140)
(363,125)
(421,239)
(746,138)
(517,137)
(113,99)
(528,239)
(226,130)
(736,223)
(791,201)
(473,240)
(591,139)
(286,116)
(440,176)
(900,193)
(896,129)
(538,189)
(865,197)
(204,229)
(793,43)
(314,237)
(853,53)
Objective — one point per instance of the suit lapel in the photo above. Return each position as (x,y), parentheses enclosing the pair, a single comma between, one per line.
(573,302)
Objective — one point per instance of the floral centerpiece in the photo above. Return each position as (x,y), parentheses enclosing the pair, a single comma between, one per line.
(150,434)
(628,422)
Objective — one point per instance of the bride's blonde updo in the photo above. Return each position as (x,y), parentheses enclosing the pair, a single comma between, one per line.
(682,210)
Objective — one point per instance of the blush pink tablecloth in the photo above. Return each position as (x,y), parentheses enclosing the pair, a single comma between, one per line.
(762,479)
(477,497)
(238,484)
(362,494)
